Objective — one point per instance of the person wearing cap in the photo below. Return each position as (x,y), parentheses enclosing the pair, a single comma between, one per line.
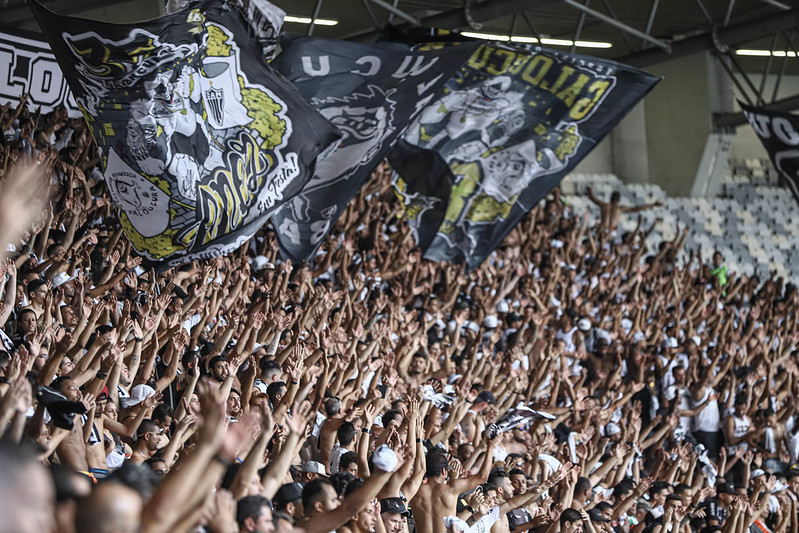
(599,521)
(717,509)
(312,470)
(393,514)
(287,504)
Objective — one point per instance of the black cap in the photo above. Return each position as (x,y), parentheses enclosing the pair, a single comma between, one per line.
(486,396)
(725,488)
(286,494)
(393,505)
(596,515)
(513,317)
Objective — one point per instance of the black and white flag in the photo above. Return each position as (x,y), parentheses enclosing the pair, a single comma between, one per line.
(200,140)
(371,94)
(505,130)
(779,133)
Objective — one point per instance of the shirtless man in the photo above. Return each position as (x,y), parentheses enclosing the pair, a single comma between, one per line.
(472,423)
(328,431)
(72,451)
(438,496)
(95,442)
(612,211)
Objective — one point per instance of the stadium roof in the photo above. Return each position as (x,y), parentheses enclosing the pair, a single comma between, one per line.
(751,36)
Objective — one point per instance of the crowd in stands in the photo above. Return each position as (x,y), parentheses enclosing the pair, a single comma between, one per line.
(576,381)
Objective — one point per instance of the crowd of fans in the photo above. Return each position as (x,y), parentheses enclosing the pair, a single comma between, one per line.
(577,381)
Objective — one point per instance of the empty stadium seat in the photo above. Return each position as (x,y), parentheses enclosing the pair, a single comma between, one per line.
(752,223)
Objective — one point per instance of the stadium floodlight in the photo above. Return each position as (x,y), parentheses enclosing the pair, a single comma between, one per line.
(533,40)
(307,20)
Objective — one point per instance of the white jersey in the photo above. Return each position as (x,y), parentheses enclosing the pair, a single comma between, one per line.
(741,427)
(568,338)
(709,419)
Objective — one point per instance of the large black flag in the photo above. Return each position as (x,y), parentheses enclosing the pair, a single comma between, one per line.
(200,140)
(779,133)
(370,94)
(510,124)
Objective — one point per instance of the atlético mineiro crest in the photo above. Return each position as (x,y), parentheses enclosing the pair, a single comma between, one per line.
(215,98)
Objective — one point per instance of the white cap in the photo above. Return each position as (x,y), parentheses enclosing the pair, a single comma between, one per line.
(490,321)
(314,467)
(503,307)
(61,278)
(584,324)
(138,395)
(260,262)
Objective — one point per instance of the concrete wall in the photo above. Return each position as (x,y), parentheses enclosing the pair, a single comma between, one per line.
(678,122)
(662,139)
(600,160)
(630,153)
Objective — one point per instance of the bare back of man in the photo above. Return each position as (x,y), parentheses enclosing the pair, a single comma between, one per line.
(431,504)
(438,496)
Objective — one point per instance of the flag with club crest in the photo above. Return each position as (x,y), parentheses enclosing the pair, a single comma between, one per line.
(200,140)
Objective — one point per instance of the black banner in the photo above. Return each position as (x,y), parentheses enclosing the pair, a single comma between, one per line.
(779,133)
(510,124)
(27,66)
(370,94)
(200,140)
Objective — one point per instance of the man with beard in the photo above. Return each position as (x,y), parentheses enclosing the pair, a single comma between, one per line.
(148,440)
(254,515)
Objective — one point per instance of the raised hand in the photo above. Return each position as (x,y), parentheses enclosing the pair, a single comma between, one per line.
(300,413)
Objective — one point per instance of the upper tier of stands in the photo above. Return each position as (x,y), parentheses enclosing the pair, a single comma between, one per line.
(753,223)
